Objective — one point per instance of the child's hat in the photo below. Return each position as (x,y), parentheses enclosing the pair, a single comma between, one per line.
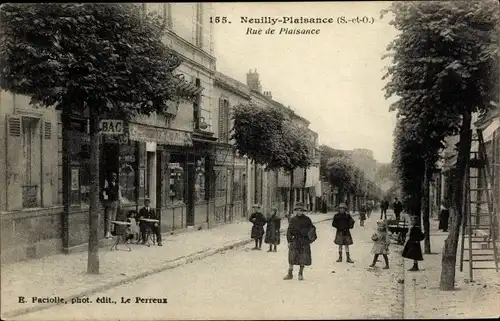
(342,205)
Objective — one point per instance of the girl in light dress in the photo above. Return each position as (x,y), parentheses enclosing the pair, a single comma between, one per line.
(381,244)
(133,228)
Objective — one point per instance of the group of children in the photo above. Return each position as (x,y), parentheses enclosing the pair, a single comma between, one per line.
(343,222)
(137,230)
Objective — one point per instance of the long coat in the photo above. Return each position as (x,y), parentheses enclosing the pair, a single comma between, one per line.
(297,235)
(343,223)
(258,220)
(444,217)
(273,230)
(381,243)
(412,249)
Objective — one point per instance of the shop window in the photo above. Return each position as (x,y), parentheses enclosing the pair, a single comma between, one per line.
(220,182)
(127,174)
(200,185)
(177,179)
(80,167)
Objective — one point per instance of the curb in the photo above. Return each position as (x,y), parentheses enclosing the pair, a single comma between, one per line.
(168,265)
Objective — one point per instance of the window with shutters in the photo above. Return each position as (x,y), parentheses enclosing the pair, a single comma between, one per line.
(30,186)
(223,120)
(199,25)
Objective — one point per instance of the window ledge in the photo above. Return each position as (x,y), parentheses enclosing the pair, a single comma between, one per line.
(32,212)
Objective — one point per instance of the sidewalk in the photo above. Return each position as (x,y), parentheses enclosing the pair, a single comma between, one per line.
(65,275)
(424,300)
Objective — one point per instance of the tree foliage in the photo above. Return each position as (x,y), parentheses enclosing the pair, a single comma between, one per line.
(444,68)
(269,138)
(104,56)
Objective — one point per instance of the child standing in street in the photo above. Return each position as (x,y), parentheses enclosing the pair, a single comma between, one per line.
(132,230)
(412,249)
(382,242)
(343,222)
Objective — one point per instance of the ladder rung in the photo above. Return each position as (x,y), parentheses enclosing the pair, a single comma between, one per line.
(480,202)
(481,215)
(484,268)
(473,176)
(482,254)
(478,189)
(481,227)
(479,260)
(481,242)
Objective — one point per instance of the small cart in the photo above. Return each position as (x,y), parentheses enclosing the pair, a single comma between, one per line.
(400,228)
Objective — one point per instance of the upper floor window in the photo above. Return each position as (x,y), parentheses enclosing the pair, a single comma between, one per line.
(223,120)
(199,25)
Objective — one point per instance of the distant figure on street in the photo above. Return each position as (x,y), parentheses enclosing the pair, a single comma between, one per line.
(444,217)
(343,222)
(412,249)
(273,230)
(148,212)
(362,214)
(324,204)
(381,244)
(258,220)
(299,240)
(384,205)
(397,206)
(112,197)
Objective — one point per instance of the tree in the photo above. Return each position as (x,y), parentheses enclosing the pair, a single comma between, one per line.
(269,138)
(444,68)
(105,58)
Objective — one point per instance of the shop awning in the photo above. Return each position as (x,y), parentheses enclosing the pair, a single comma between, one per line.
(186,89)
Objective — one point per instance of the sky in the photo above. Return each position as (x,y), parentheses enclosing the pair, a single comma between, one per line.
(333,79)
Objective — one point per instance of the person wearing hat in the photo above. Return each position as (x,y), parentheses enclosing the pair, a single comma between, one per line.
(273,230)
(148,212)
(258,220)
(412,249)
(343,222)
(381,244)
(299,242)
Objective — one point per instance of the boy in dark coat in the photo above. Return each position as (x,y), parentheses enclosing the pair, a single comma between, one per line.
(258,220)
(273,230)
(299,245)
(148,212)
(412,249)
(343,222)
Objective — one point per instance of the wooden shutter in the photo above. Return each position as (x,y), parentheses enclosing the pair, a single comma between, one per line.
(226,121)
(221,119)
(49,159)
(15,161)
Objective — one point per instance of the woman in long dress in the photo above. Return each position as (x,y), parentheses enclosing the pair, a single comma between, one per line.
(273,230)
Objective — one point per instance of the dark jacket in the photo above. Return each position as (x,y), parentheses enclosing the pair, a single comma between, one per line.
(412,249)
(297,235)
(258,220)
(273,230)
(398,207)
(144,213)
(343,222)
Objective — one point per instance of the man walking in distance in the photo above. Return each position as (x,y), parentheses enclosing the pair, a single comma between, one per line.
(343,222)
(397,206)
(384,205)
(112,198)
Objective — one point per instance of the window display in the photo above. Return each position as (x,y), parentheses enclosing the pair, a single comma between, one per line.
(177,179)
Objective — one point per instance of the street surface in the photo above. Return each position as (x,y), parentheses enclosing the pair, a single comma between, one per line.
(246,284)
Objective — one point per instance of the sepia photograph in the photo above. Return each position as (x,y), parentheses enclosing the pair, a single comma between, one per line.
(250,160)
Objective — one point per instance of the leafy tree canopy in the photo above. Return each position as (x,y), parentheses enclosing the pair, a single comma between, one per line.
(107,57)
(269,138)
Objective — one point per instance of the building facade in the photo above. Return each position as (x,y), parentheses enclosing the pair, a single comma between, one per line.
(168,158)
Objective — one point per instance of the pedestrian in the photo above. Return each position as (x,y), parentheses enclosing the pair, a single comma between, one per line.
(397,206)
(381,244)
(112,197)
(362,214)
(149,213)
(300,234)
(258,220)
(412,249)
(444,217)
(343,222)
(273,230)
(384,205)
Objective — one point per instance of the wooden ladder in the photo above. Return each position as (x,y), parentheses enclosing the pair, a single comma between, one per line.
(481,248)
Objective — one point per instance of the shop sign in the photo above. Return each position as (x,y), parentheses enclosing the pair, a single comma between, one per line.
(111,126)
(159,135)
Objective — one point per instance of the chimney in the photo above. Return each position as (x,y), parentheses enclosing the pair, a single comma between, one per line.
(253,81)
(268,94)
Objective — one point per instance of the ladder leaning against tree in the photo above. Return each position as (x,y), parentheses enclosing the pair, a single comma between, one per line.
(480,248)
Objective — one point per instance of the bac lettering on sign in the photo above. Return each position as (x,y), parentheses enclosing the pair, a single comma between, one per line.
(111,126)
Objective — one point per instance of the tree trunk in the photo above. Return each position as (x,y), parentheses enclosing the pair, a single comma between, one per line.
(426,209)
(93,252)
(449,258)
(290,204)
